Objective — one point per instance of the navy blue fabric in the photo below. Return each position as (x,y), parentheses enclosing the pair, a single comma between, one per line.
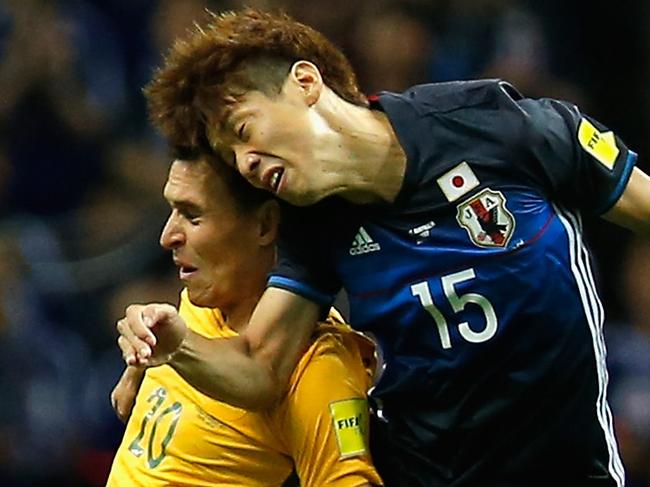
(484,306)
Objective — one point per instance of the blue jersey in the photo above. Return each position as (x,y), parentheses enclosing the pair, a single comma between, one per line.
(477,285)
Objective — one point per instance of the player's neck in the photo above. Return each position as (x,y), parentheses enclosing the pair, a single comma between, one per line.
(366,153)
(238,315)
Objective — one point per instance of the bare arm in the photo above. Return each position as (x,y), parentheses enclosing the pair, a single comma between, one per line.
(125,391)
(249,371)
(632,210)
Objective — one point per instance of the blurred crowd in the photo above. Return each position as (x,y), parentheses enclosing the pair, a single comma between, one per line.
(81,175)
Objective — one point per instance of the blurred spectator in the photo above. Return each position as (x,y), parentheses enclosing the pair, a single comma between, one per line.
(391,48)
(40,380)
(467,34)
(103,429)
(629,360)
(128,200)
(5,178)
(81,177)
(521,56)
(56,107)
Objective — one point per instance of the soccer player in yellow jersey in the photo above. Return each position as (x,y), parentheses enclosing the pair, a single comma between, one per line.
(222,235)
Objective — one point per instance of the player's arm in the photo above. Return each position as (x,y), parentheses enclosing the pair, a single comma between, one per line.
(581,164)
(325,416)
(632,210)
(249,371)
(125,391)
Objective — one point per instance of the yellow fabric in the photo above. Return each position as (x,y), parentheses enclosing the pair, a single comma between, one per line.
(178,436)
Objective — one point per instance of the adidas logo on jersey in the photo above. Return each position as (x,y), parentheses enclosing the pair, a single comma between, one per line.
(363,244)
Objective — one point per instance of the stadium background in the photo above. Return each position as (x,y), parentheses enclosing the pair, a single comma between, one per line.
(81,174)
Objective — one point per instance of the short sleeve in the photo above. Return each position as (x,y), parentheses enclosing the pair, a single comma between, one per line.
(305,249)
(325,416)
(579,162)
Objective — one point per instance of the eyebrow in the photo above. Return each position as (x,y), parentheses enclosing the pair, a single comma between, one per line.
(185,205)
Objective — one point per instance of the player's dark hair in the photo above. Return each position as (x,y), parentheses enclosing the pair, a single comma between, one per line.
(246,197)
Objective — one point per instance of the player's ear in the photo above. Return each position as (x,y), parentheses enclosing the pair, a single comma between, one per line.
(268,217)
(308,79)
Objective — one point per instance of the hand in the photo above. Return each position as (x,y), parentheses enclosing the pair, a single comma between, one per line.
(125,391)
(150,334)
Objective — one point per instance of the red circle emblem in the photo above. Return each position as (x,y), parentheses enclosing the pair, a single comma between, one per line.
(457,181)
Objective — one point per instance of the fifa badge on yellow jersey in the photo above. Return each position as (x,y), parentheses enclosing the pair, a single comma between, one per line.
(350,419)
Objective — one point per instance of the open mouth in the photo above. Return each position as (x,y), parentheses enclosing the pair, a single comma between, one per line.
(186,271)
(275,180)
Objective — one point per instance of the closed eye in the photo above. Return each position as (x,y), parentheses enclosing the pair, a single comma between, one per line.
(191,217)
(188,211)
(241,132)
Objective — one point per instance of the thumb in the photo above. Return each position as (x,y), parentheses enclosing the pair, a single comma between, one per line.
(161,315)
(153,315)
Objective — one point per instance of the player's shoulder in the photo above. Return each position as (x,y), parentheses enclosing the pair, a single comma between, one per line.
(334,339)
(454,95)
(335,327)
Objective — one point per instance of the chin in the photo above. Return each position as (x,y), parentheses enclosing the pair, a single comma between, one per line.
(304,199)
(200,299)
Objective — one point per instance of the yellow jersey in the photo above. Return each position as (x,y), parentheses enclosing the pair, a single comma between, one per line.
(177,436)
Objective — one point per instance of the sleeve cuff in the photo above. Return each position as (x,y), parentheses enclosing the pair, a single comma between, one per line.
(622,183)
(322,299)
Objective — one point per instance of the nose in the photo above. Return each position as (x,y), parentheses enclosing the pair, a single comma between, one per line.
(248,166)
(171,236)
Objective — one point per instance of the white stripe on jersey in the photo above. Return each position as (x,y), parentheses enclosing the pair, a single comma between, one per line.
(615,461)
(581,268)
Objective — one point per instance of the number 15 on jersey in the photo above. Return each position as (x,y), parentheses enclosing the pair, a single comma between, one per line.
(458,302)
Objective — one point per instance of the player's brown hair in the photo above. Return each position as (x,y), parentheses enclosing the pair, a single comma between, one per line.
(246,197)
(244,50)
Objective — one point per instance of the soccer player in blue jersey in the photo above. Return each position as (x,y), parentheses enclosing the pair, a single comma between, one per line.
(450,214)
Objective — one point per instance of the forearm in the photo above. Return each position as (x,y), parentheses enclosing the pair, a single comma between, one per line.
(133,375)
(632,210)
(224,369)
(251,370)
(635,223)
(125,391)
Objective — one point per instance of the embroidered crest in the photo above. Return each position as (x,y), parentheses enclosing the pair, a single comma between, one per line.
(487,220)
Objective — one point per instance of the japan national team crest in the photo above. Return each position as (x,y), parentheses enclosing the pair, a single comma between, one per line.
(486,219)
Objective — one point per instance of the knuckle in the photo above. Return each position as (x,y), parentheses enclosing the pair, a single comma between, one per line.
(132,308)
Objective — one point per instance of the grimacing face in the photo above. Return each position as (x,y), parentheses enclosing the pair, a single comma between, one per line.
(213,242)
(277,142)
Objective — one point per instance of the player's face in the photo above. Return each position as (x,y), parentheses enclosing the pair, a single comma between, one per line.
(212,241)
(277,144)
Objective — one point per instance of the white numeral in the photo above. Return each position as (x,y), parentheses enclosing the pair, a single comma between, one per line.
(422,291)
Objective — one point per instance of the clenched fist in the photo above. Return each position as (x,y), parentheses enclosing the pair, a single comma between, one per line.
(150,334)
